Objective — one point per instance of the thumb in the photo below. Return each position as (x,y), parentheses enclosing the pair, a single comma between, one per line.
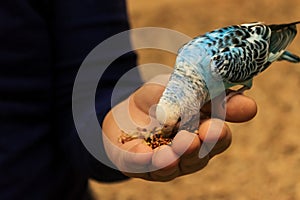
(147,96)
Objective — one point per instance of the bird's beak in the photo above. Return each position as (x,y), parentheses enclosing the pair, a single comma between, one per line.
(169,130)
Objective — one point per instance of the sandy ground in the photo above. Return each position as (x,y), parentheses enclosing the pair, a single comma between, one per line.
(263,161)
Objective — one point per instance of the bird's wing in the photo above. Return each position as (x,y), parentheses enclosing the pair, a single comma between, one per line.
(245,53)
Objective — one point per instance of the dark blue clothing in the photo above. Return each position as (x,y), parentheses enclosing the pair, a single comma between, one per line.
(42,45)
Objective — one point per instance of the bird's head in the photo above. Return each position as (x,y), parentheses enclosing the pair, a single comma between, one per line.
(168,115)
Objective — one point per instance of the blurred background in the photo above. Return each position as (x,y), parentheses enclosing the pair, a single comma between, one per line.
(263,161)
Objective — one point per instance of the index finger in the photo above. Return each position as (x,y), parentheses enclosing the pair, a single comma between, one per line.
(239,108)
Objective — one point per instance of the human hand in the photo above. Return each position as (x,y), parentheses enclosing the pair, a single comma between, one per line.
(135,159)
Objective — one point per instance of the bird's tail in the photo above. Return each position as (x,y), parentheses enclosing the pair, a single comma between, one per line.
(288,56)
(281,36)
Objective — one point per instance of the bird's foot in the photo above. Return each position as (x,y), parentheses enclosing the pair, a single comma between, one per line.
(231,93)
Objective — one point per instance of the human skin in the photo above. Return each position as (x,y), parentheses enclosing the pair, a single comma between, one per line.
(182,156)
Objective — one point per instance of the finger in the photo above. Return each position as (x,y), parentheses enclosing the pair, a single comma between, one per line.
(215,137)
(193,164)
(165,164)
(187,145)
(239,108)
(132,157)
(222,144)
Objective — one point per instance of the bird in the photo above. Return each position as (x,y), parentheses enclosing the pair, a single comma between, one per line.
(218,60)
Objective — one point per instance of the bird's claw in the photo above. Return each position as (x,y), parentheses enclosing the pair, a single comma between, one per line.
(231,93)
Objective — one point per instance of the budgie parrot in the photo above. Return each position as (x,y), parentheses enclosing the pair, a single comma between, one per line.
(232,55)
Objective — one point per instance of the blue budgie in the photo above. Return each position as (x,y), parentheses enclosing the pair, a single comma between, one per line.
(232,56)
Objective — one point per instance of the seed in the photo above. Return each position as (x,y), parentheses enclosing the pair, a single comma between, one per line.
(153,138)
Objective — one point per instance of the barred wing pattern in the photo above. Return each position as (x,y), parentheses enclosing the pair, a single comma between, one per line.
(232,55)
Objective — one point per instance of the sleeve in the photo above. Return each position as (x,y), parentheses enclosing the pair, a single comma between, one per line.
(77,28)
